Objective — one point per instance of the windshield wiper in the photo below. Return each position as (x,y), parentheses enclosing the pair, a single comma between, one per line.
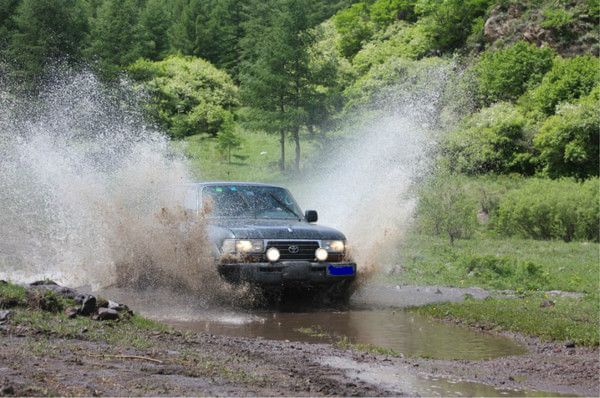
(284,205)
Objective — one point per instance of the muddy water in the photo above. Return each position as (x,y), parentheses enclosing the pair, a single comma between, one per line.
(402,332)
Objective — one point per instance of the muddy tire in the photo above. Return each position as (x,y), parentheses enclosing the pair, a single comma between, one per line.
(339,293)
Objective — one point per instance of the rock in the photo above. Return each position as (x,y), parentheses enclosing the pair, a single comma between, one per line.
(4,315)
(547,303)
(43,282)
(87,302)
(569,344)
(71,312)
(3,282)
(118,307)
(7,390)
(438,291)
(106,314)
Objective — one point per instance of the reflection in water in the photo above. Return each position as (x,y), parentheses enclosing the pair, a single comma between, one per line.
(405,333)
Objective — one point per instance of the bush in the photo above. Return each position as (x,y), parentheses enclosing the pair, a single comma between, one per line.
(385,12)
(551,209)
(569,79)
(504,75)
(354,26)
(444,208)
(568,141)
(399,40)
(187,95)
(450,21)
(492,140)
(395,80)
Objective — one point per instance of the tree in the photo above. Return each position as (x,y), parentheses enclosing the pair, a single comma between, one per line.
(276,79)
(444,208)
(569,141)
(504,75)
(227,139)
(155,20)
(117,36)
(188,95)
(46,31)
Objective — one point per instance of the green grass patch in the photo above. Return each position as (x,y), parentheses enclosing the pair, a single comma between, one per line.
(345,343)
(516,264)
(575,319)
(11,295)
(256,160)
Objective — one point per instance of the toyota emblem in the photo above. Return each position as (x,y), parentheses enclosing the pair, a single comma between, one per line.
(293,249)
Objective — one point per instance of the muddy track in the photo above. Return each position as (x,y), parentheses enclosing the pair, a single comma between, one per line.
(175,363)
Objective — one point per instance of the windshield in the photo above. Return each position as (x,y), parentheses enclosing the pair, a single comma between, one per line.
(246,201)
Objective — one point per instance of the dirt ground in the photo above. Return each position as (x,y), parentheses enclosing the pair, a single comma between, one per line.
(179,364)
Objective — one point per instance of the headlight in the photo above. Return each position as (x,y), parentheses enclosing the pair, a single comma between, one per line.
(242,246)
(273,254)
(334,246)
(321,254)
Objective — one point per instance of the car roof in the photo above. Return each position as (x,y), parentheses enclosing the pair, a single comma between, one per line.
(234,183)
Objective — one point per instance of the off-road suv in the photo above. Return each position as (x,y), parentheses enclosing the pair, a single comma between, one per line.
(261,236)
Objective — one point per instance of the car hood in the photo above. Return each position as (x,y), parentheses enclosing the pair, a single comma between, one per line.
(270,229)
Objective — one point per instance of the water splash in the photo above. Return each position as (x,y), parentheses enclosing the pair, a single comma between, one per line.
(88,191)
(364,188)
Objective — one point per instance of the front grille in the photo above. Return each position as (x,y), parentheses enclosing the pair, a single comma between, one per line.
(306,249)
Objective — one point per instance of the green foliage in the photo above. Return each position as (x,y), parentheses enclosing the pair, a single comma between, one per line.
(384,12)
(444,208)
(450,22)
(45,32)
(569,79)
(569,141)
(227,139)
(400,40)
(492,140)
(155,20)
(504,75)
(552,209)
(354,26)
(116,36)
(557,19)
(387,80)
(188,95)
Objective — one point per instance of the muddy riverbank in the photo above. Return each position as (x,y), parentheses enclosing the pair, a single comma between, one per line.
(51,354)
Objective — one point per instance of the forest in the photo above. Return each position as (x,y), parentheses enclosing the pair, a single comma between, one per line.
(226,77)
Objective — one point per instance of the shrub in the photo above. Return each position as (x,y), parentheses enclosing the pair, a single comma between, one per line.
(502,272)
(399,40)
(395,80)
(354,26)
(551,209)
(505,74)
(492,140)
(568,141)
(187,95)
(444,208)
(384,12)
(569,79)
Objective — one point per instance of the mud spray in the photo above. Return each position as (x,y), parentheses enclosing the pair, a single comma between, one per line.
(87,186)
(88,191)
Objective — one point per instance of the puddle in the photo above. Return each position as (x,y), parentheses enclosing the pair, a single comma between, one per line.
(405,333)
(405,381)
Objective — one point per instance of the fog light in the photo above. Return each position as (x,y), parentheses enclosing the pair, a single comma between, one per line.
(273,254)
(321,254)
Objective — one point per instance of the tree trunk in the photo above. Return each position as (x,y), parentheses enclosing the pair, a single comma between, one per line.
(282,143)
(297,141)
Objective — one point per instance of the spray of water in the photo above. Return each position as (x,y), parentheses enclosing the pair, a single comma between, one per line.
(88,193)
(364,188)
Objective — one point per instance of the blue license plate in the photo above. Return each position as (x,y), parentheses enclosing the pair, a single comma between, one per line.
(343,270)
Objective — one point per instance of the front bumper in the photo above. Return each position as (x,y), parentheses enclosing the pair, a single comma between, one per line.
(289,273)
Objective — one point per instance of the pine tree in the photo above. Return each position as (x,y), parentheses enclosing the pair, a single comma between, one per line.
(45,32)
(155,21)
(116,36)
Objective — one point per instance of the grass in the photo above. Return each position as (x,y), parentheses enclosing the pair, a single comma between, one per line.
(256,160)
(526,266)
(495,263)
(11,295)
(575,319)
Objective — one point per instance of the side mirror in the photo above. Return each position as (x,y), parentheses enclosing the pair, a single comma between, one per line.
(311,215)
